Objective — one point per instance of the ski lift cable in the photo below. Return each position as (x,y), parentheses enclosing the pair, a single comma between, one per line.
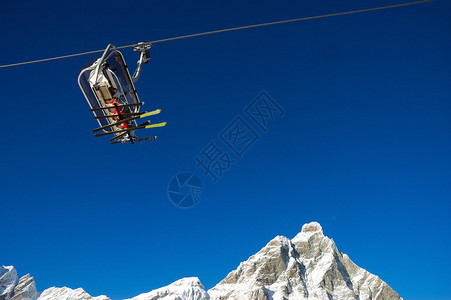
(222,30)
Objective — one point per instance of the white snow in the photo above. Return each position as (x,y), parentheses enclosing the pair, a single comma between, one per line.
(188,288)
(66,293)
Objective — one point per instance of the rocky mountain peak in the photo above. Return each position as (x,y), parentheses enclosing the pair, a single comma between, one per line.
(309,231)
(307,267)
(13,288)
(25,289)
(8,280)
(312,227)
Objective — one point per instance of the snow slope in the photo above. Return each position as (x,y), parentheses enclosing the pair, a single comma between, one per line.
(184,289)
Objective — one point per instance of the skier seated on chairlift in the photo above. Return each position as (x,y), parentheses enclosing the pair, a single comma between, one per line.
(125,125)
(118,111)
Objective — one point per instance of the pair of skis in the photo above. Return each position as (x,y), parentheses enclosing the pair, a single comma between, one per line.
(126,120)
(131,129)
(121,137)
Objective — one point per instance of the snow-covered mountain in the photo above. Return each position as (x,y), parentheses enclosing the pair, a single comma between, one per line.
(13,288)
(309,267)
(186,288)
(65,293)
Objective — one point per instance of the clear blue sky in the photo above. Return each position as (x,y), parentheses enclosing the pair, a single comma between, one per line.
(364,146)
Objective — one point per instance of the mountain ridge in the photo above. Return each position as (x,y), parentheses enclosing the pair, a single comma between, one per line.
(307,267)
